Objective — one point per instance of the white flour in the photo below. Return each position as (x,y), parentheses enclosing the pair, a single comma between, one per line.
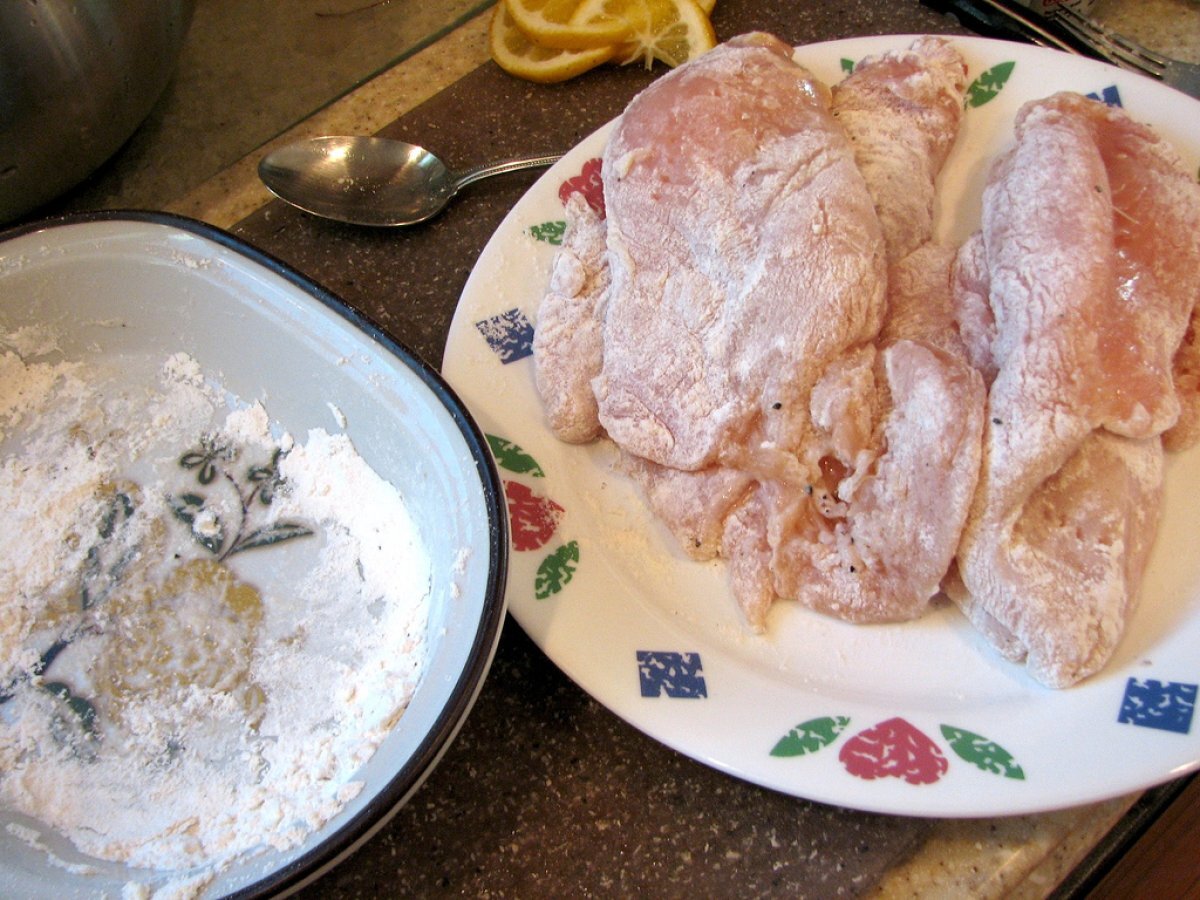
(227,664)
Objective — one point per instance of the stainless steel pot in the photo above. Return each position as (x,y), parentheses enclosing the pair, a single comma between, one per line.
(77,77)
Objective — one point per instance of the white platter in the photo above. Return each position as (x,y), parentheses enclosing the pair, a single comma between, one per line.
(920,718)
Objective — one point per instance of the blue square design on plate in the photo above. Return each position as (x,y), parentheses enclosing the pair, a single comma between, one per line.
(1156,704)
(509,334)
(674,674)
(1109,95)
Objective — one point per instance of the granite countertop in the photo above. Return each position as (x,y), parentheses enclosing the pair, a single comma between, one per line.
(545,792)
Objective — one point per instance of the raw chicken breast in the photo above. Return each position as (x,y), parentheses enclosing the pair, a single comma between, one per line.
(902,111)
(899,425)
(1059,589)
(1088,308)
(745,255)
(972,308)
(692,505)
(567,345)
(890,509)
(856,505)
(734,326)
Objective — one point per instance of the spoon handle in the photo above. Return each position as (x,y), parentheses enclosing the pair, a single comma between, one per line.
(467,176)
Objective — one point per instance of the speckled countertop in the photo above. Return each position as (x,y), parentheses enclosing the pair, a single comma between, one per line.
(546,793)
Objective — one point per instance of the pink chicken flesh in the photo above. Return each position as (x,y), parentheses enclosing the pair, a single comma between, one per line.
(744,367)
(1077,306)
(744,254)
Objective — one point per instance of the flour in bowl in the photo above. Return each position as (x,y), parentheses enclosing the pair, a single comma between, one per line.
(207,626)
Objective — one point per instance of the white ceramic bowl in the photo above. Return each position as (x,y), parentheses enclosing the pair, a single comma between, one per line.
(174,285)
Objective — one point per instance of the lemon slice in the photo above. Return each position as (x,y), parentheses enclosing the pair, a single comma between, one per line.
(549,24)
(671,31)
(516,54)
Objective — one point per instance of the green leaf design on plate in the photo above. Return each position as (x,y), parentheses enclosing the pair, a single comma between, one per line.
(549,232)
(982,753)
(267,478)
(511,457)
(810,736)
(107,559)
(275,533)
(83,709)
(556,571)
(120,508)
(985,88)
(847,65)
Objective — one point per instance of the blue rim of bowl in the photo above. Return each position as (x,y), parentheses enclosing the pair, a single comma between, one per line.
(400,788)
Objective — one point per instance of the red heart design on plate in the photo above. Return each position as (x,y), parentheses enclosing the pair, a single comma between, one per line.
(894,749)
(533,519)
(588,183)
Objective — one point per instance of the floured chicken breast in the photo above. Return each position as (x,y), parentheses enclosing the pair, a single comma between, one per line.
(893,497)
(567,345)
(744,366)
(742,267)
(899,447)
(902,111)
(745,255)
(1076,311)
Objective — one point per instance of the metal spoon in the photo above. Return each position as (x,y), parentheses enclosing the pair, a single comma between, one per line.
(372,181)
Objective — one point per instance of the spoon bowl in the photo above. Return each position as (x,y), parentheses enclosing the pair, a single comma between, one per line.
(372,181)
